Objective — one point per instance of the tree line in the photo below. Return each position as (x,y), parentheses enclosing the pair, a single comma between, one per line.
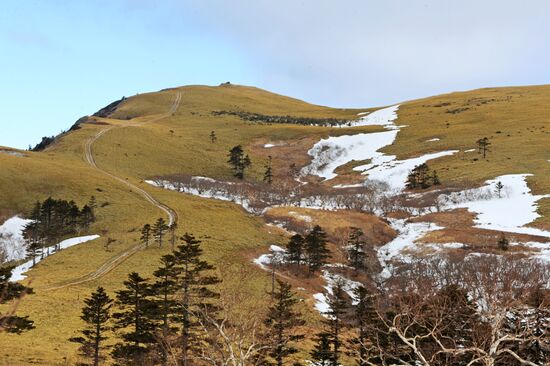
(53,219)
(262,118)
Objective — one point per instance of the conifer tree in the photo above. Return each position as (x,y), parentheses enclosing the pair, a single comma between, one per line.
(135,319)
(213,137)
(238,161)
(321,353)
(334,323)
(268,174)
(165,288)
(503,243)
(368,327)
(172,229)
(435,179)
(87,216)
(356,248)
(498,188)
(10,322)
(145,235)
(195,293)
(159,229)
(316,248)
(295,249)
(282,321)
(96,314)
(92,203)
(483,146)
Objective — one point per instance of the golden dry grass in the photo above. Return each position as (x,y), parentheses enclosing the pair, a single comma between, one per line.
(180,144)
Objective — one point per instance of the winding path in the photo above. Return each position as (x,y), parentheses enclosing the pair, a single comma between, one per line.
(172,215)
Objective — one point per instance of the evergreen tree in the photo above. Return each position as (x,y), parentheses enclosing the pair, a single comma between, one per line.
(334,323)
(172,229)
(136,319)
(356,248)
(435,179)
(498,188)
(145,235)
(268,174)
(295,249)
(87,216)
(238,161)
(92,203)
(369,329)
(159,229)
(281,322)
(96,314)
(195,293)
(213,137)
(9,322)
(321,353)
(165,288)
(483,146)
(503,243)
(316,248)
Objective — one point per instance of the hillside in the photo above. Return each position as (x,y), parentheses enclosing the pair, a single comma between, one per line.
(133,160)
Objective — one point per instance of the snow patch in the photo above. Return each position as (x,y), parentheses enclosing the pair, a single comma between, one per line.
(516,207)
(12,243)
(433,140)
(408,234)
(18,272)
(382,117)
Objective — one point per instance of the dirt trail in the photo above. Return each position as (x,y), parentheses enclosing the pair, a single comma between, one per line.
(89,158)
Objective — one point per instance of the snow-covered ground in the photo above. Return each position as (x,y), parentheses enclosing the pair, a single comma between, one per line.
(434,139)
(408,233)
(330,153)
(18,272)
(382,117)
(12,243)
(394,172)
(516,207)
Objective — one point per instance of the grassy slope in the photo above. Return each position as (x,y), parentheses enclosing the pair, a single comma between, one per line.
(137,153)
(516,121)
(143,152)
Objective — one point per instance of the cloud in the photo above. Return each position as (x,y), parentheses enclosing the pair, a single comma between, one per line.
(364,52)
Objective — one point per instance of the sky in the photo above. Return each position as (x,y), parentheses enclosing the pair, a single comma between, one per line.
(60,60)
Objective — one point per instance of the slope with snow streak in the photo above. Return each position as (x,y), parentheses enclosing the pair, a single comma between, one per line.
(515,208)
(17,273)
(12,243)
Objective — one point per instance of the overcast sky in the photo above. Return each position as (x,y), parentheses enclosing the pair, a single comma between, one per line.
(60,60)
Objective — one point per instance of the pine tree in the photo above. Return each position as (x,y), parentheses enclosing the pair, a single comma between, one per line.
(336,313)
(316,248)
(87,216)
(435,179)
(363,318)
(10,322)
(268,175)
(172,229)
(159,229)
(145,235)
(483,146)
(195,282)
(238,161)
(92,203)
(136,319)
(165,288)
(295,249)
(321,353)
(213,137)
(96,314)
(498,188)
(356,248)
(281,322)
(503,243)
